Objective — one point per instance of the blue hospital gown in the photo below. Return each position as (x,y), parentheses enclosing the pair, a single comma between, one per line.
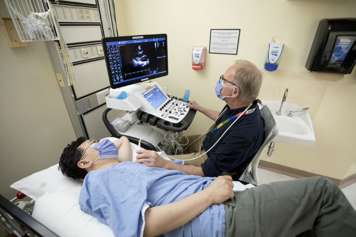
(117,196)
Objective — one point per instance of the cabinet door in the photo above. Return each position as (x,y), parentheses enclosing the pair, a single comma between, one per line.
(78,34)
(89,77)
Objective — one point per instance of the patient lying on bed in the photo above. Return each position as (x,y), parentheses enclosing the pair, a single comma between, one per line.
(136,200)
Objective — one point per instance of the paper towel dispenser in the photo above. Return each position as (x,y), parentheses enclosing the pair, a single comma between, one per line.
(334,46)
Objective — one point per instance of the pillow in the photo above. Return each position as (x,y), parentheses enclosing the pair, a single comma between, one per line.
(49,180)
(60,212)
(45,181)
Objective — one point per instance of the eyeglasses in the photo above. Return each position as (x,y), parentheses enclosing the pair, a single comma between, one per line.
(230,82)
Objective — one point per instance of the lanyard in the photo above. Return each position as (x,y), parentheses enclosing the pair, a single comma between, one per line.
(233,117)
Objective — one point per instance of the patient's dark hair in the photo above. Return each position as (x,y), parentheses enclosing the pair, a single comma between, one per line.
(69,159)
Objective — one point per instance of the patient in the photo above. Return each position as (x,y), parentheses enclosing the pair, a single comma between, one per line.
(137,200)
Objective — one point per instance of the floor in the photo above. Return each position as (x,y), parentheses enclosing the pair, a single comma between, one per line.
(266,176)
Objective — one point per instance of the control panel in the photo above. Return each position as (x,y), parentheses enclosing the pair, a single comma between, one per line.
(161,105)
(173,110)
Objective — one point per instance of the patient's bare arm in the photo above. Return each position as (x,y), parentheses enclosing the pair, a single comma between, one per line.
(165,218)
(124,146)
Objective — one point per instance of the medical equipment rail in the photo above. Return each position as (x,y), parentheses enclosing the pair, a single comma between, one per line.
(153,121)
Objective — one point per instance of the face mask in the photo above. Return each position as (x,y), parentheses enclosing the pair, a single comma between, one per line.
(106,149)
(218,89)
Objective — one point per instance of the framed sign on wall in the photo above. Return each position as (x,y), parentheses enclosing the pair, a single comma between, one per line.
(224,41)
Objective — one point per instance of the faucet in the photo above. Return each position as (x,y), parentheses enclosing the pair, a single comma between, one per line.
(284,98)
(301,110)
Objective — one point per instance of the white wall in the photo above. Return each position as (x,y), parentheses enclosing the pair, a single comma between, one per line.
(331,97)
(34,124)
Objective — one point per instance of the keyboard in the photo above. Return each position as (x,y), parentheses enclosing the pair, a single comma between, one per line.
(173,110)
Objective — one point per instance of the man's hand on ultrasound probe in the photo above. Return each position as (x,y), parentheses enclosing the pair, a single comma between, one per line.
(151,158)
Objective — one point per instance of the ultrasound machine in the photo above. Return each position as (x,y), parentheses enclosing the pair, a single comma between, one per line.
(131,61)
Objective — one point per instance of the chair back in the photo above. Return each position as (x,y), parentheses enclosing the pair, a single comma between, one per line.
(271,131)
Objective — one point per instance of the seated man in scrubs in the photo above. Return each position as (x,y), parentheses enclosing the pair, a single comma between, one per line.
(136,200)
(238,87)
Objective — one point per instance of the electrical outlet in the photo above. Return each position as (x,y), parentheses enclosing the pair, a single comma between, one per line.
(84,52)
(100,50)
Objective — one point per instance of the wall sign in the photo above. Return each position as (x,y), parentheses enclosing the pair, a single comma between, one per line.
(224,41)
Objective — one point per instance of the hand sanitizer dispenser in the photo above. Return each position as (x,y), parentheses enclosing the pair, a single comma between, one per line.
(274,54)
(198,58)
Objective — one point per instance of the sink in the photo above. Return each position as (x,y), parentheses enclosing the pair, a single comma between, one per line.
(296,128)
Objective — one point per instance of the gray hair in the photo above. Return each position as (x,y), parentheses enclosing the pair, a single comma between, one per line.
(249,78)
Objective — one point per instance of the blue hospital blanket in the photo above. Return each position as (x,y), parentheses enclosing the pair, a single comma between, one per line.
(117,196)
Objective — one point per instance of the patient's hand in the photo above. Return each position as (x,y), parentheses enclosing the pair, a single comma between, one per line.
(151,159)
(220,189)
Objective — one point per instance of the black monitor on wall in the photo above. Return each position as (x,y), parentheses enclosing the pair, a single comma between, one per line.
(133,59)
(334,46)
(344,47)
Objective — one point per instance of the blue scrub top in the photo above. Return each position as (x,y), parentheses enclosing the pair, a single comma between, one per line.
(118,196)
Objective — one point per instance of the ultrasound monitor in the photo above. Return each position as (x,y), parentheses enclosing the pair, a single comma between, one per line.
(133,59)
(155,97)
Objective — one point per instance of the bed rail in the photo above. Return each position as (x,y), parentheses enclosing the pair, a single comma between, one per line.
(19,223)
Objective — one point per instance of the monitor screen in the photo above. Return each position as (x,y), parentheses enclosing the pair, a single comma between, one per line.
(342,47)
(132,59)
(155,97)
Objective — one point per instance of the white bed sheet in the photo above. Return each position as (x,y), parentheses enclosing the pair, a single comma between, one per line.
(60,212)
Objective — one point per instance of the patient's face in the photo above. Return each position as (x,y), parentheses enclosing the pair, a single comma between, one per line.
(89,153)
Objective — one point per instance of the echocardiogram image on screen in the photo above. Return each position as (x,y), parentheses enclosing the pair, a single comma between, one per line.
(135,59)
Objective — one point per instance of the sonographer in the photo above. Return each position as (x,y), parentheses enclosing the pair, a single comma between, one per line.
(236,135)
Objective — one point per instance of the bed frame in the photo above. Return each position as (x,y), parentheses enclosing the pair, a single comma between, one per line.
(19,223)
